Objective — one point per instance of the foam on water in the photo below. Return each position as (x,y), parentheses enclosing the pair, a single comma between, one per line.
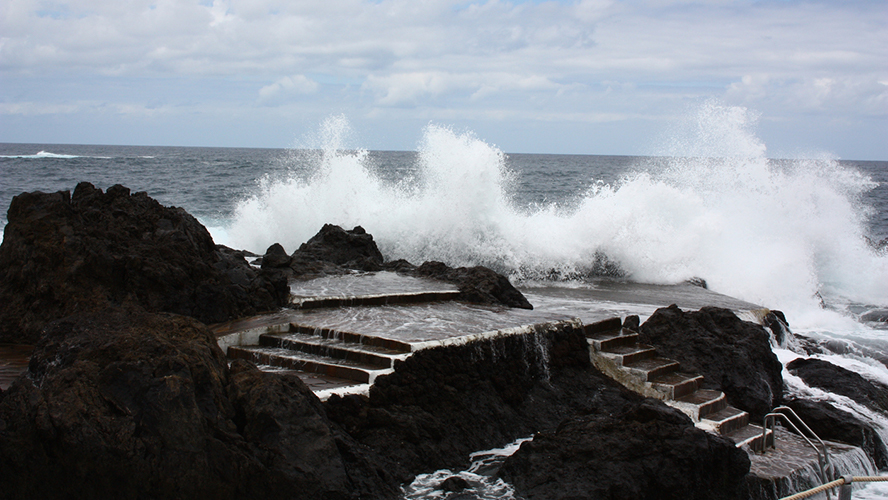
(797,387)
(47,154)
(780,234)
(483,485)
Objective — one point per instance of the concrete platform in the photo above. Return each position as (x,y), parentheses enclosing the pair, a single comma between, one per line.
(408,313)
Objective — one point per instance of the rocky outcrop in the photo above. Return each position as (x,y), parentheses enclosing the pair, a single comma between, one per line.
(476,284)
(838,380)
(734,356)
(353,249)
(833,424)
(442,404)
(337,251)
(64,254)
(647,450)
(128,404)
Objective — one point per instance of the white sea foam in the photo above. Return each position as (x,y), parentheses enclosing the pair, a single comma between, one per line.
(780,234)
(47,154)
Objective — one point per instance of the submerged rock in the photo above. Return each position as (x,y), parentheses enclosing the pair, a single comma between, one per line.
(647,450)
(64,254)
(128,404)
(734,356)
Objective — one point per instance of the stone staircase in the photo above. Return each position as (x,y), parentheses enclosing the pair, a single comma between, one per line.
(617,353)
(341,358)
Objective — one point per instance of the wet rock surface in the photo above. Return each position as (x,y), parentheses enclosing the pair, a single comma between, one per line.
(353,249)
(476,284)
(838,380)
(734,356)
(444,403)
(64,254)
(593,438)
(129,404)
(334,250)
(833,424)
(647,450)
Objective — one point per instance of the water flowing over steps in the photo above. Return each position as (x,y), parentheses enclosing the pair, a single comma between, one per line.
(341,356)
(617,352)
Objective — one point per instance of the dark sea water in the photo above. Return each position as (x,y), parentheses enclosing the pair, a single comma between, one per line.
(797,235)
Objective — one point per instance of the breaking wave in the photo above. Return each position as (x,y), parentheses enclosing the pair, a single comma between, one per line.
(785,234)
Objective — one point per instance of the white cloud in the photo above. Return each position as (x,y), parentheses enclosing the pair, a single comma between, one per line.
(446,58)
(287,86)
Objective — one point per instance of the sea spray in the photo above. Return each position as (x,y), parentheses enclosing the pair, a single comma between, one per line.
(480,477)
(783,234)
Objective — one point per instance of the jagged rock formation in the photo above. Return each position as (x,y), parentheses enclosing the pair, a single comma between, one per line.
(832,423)
(335,250)
(647,450)
(733,356)
(64,254)
(128,404)
(476,284)
(838,380)
(442,404)
(124,398)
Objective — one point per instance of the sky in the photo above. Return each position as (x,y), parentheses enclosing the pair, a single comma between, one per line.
(574,77)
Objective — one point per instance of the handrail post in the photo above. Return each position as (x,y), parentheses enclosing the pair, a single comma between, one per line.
(845,489)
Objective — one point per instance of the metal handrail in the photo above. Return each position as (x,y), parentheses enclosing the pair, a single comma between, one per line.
(822,459)
(844,484)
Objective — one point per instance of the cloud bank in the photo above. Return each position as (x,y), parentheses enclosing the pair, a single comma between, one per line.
(591,76)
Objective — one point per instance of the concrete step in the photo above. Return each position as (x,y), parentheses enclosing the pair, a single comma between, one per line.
(593,330)
(725,421)
(317,382)
(379,357)
(700,403)
(613,339)
(677,384)
(750,436)
(356,338)
(297,302)
(650,368)
(629,354)
(293,360)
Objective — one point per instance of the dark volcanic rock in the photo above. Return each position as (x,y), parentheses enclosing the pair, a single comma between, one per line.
(476,284)
(337,251)
(832,378)
(875,316)
(353,249)
(833,424)
(442,404)
(64,254)
(734,356)
(648,450)
(275,257)
(127,404)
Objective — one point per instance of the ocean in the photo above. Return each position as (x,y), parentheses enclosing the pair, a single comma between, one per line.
(799,235)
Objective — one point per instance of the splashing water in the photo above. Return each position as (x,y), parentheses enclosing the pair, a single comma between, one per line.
(778,233)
